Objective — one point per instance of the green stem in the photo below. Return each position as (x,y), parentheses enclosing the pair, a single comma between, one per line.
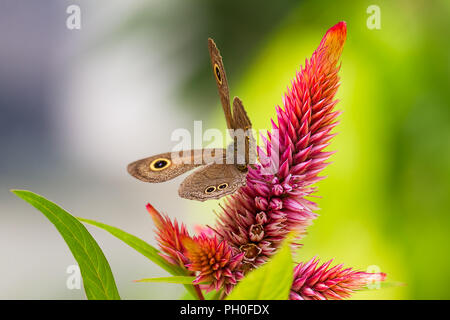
(199,292)
(222,295)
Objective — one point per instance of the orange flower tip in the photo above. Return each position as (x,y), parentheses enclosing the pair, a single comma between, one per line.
(156,216)
(338,32)
(153,213)
(333,41)
(341,26)
(150,208)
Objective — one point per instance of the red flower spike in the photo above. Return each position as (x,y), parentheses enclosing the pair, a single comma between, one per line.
(170,237)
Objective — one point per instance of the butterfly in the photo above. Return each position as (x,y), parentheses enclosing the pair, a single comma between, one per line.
(217,175)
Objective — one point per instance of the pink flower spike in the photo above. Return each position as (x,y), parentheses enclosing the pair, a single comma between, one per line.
(254,221)
(321,282)
(304,123)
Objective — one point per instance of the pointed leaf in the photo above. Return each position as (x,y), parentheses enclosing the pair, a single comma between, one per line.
(144,248)
(98,279)
(212,295)
(175,279)
(138,244)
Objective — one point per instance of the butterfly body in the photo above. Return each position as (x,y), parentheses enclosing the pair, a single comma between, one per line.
(222,171)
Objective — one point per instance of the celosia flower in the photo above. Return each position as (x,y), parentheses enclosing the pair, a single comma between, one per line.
(257,218)
(214,262)
(170,237)
(313,282)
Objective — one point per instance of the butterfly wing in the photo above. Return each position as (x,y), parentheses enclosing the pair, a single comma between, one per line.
(242,121)
(240,117)
(166,166)
(213,181)
(221,81)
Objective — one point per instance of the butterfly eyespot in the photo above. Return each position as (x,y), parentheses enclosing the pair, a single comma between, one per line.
(160,164)
(217,73)
(222,186)
(210,189)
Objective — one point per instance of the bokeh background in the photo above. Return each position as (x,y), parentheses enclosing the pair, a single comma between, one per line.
(77,105)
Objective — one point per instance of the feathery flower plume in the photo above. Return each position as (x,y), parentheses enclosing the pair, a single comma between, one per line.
(257,218)
(314,282)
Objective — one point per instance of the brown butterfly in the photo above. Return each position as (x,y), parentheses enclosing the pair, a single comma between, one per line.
(218,176)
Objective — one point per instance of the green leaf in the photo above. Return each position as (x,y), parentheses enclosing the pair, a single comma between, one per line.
(98,279)
(272,281)
(212,295)
(139,245)
(175,279)
(145,249)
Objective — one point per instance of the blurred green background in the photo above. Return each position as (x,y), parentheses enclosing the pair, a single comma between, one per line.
(386,201)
